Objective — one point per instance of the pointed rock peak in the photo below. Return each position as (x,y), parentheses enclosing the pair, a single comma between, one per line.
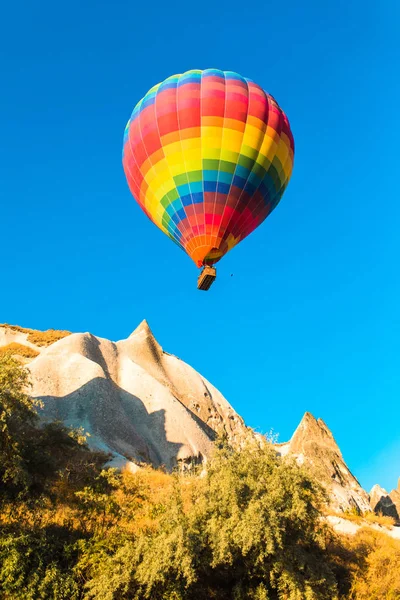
(143,329)
(311,430)
(308,426)
(383,503)
(307,420)
(313,443)
(142,343)
(378,490)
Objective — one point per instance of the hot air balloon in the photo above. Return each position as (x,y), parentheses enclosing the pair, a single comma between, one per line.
(207,155)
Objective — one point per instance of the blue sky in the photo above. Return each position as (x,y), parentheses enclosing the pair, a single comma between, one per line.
(310,318)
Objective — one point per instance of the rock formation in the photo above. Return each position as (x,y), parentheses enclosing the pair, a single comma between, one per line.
(313,443)
(395,496)
(385,503)
(143,405)
(136,401)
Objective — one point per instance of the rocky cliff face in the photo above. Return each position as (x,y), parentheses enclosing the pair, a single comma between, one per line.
(313,443)
(136,401)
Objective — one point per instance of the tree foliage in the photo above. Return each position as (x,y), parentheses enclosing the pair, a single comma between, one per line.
(376,571)
(35,460)
(250,529)
(247,527)
(17,416)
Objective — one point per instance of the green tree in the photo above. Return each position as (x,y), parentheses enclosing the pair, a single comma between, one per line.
(249,529)
(37,458)
(98,509)
(17,417)
(37,563)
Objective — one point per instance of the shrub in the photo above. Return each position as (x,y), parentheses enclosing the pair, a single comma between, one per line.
(19,349)
(368,517)
(376,566)
(37,564)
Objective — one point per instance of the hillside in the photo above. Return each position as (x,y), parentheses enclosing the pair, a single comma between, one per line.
(253,524)
(142,405)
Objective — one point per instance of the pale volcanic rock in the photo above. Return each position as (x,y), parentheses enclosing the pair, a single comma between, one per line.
(395,496)
(136,401)
(313,443)
(385,503)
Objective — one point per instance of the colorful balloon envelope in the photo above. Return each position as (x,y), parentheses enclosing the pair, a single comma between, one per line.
(207,155)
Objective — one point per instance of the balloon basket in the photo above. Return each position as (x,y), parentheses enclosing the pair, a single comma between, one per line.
(206,278)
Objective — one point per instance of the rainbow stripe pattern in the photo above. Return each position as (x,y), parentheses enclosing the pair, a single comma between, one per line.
(207,155)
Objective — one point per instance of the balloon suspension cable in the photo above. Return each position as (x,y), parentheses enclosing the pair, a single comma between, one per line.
(206,278)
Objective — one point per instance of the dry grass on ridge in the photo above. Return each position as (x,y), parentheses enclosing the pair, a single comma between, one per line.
(370,518)
(19,349)
(39,338)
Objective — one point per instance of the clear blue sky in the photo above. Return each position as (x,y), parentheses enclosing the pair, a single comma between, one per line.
(310,319)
